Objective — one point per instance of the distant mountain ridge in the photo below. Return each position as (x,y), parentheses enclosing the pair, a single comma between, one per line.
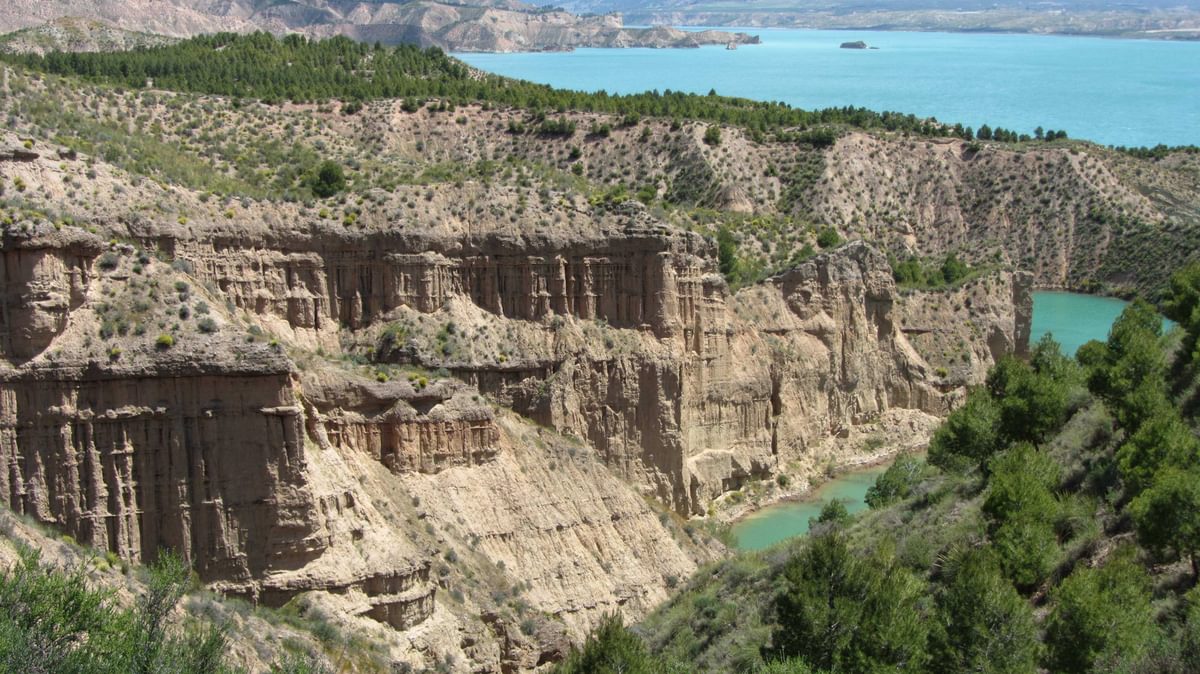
(480,25)
(1161,19)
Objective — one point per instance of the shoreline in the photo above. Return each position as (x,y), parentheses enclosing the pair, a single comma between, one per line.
(746,509)
(908,430)
(1165,34)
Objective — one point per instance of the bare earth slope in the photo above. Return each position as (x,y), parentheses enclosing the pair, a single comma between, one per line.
(73,34)
(495,27)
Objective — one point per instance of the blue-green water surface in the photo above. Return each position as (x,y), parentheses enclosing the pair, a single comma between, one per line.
(782,521)
(1119,92)
(1073,319)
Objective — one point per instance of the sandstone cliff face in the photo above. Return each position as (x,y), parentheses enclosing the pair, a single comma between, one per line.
(311,288)
(431,420)
(208,457)
(960,331)
(710,392)
(41,280)
(276,482)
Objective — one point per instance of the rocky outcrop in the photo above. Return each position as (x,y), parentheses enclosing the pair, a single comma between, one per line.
(407,430)
(311,286)
(42,278)
(960,331)
(203,454)
(18,154)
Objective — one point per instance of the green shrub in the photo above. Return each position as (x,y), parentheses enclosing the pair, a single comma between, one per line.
(164,342)
(327,180)
(610,649)
(896,483)
(51,621)
(1099,612)
(844,611)
(828,237)
(981,624)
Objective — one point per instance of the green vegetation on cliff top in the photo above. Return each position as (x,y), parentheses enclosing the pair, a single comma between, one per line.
(301,70)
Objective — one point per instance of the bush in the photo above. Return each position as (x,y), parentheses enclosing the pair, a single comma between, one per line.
(207,325)
(109,261)
(1100,612)
(981,624)
(844,611)
(896,483)
(828,237)
(610,648)
(51,621)
(712,135)
(558,128)
(969,436)
(164,342)
(835,512)
(328,180)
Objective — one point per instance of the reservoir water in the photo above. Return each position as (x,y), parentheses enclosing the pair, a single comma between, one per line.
(1071,318)
(1116,92)
(772,524)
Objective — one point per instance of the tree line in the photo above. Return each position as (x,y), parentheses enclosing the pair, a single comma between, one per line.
(301,70)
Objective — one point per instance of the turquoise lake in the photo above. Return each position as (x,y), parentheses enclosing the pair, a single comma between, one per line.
(1071,318)
(1116,92)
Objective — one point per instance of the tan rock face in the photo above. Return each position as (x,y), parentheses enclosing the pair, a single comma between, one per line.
(137,463)
(40,283)
(720,390)
(406,430)
(278,476)
(319,287)
(961,331)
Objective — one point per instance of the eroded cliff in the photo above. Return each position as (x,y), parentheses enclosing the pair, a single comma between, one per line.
(467,417)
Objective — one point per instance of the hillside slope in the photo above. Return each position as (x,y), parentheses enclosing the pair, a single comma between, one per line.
(491,27)
(73,34)
(1052,538)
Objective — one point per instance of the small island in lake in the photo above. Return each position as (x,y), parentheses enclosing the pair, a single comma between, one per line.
(854,45)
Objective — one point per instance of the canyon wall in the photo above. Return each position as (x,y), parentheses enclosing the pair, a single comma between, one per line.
(713,389)
(276,477)
(336,418)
